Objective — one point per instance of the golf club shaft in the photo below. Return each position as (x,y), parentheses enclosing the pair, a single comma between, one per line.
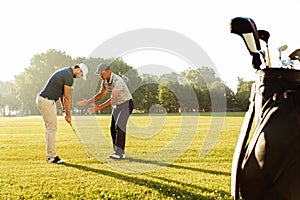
(85,149)
(269,59)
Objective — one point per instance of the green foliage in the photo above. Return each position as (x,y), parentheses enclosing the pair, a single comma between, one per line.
(31,81)
(8,98)
(168,92)
(243,93)
(167,99)
(24,173)
(190,91)
(230,97)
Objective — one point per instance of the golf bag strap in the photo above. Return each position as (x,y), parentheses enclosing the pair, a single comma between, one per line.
(240,146)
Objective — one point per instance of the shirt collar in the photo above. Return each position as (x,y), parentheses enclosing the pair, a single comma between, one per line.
(111,78)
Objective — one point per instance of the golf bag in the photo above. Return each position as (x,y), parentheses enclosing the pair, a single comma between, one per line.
(267,165)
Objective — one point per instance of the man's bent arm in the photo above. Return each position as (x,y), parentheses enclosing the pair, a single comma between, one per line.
(98,96)
(67,100)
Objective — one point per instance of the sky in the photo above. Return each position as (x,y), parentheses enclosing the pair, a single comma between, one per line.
(78,27)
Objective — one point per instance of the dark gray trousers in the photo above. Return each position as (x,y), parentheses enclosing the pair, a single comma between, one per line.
(119,119)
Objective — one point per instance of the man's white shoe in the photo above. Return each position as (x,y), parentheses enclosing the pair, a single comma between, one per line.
(117,156)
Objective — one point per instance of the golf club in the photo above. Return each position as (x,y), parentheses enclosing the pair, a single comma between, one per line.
(264,36)
(263,54)
(295,55)
(246,28)
(85,149)
(281,49)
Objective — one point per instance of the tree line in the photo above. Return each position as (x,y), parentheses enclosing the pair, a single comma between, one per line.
(193,90)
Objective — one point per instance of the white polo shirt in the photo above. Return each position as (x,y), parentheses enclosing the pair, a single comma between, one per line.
(116,82)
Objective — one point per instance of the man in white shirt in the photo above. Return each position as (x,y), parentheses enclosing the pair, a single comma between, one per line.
(121,103)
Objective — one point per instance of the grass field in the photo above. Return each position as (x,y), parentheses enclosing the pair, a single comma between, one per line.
(24,173)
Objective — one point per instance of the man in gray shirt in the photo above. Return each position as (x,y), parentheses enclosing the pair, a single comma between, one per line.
(121,103)
(58,87)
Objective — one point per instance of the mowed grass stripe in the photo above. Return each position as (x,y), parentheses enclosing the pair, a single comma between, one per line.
(24,174)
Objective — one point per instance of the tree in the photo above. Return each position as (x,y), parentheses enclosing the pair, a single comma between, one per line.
(203,98)
(30,82)
(2,88)
(205,84)
(189,91)
(243,93)
(168,99)
(218,96)
(230,98)
(200,76)
(168,92)
(8,97)
(146,95)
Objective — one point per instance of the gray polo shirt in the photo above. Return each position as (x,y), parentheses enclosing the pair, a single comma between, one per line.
(116,82)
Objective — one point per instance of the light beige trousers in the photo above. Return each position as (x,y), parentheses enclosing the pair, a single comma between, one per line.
(48,111)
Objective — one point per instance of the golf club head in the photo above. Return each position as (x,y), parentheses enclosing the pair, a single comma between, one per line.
(262,52)
(246,28)
(263,55)
(282,48)
(295,55)
(264,35)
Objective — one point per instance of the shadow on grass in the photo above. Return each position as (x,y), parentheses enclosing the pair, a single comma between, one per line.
(165,189)
(193,186)
(179,166)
